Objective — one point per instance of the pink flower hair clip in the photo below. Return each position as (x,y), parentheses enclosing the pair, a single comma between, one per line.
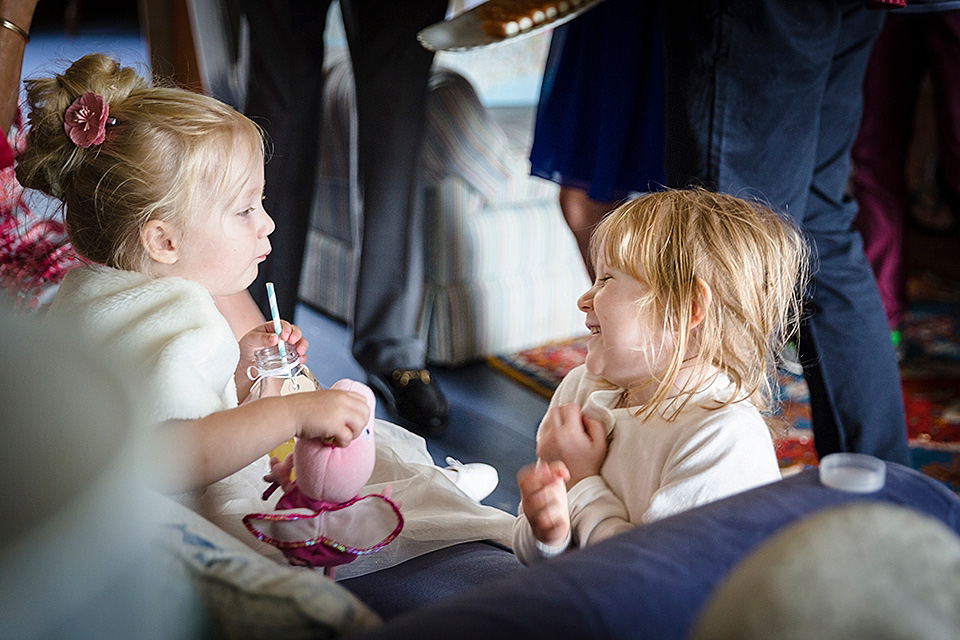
(86,120)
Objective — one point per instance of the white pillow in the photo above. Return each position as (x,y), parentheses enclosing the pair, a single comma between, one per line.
(248,596)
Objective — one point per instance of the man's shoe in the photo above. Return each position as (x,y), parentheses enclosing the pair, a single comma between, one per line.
(476,479)
(414,399)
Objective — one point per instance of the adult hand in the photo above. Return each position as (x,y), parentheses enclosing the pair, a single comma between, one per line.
(20,13)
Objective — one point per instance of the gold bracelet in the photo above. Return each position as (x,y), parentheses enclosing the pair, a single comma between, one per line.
(6,24)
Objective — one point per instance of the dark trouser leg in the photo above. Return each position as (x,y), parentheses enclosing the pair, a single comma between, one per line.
(763,100)
(943,46)
(391,70)
(880,153)
(284,97)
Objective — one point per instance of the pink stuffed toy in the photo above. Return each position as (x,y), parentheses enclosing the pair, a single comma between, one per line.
(338,524)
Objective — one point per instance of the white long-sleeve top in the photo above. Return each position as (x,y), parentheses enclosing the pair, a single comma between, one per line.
(655,468)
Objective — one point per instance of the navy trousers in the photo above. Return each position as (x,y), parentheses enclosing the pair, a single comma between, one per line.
(764,101)
(391,70)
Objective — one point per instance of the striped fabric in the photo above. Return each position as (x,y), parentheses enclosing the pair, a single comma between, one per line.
(467,240)
(522,187)
(502,269)
(329,274)
(330,214)
(337,168)
(501,277)
(462,140)
(502,315)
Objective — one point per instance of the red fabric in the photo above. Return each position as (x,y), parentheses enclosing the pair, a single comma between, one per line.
(6,154)
(34,250)
(909,45)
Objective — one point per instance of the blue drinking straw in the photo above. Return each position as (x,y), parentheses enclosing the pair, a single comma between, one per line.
(275,313)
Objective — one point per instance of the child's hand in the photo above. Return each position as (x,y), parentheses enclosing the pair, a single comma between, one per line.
(544,495)
(335,416)
(280,471)
(264,336)
(580,443)
(280,475)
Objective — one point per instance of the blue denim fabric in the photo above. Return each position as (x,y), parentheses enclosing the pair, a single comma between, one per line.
(764,101)
(649,582)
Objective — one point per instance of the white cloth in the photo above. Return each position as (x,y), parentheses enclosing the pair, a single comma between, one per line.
(172,332)
(168,327)
(655,468)
(174,336)
(436,513)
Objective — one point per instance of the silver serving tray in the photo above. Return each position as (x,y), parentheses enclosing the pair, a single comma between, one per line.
(463,32)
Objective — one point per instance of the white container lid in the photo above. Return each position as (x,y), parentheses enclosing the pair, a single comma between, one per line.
(853,472)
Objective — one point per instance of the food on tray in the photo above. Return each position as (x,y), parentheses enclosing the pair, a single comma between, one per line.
(505,18)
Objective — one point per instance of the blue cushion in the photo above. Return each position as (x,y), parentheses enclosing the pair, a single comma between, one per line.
(432,576)
(650,582)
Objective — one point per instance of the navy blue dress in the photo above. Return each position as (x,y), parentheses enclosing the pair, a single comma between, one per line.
(600,119)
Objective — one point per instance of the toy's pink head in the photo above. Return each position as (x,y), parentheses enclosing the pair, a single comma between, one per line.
(336,474)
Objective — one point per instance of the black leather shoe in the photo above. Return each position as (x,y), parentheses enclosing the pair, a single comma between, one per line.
(414,399)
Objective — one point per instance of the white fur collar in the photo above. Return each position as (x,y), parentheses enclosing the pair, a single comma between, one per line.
(168,329)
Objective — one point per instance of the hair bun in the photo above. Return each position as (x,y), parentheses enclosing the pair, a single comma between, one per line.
(102,75)
(51,156)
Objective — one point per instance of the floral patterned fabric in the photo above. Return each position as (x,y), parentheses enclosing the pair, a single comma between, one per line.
(34,250)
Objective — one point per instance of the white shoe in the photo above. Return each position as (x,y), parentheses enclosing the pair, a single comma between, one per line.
(476,479)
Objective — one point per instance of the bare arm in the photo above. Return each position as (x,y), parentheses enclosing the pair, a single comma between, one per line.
(20,13)
(205,450)
(240,310)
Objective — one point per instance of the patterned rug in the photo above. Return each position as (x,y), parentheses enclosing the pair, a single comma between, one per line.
(929,367)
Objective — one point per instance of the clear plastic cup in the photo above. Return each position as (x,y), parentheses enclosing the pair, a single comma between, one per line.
(853,472)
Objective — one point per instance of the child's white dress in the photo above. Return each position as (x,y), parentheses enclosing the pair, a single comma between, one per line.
(184,354)
(656,468)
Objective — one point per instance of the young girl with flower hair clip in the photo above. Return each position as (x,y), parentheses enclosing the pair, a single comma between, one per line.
(162,190)
(694,295)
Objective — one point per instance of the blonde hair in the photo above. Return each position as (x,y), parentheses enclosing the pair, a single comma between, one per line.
(755,262)
(168,150)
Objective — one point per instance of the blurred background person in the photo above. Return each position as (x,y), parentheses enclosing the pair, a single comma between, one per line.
(921,40)
(284,92)
(599,125)
(763,100)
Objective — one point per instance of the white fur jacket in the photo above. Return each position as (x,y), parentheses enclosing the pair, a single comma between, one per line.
(168,328)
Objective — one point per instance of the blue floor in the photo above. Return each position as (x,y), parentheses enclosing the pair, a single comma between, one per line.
(492,419)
